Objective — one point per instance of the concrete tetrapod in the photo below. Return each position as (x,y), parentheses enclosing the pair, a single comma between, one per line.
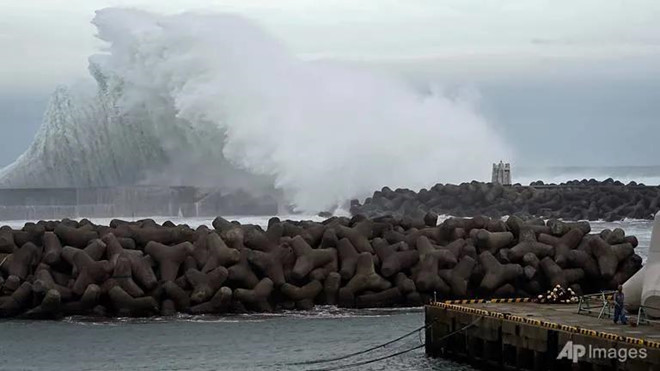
(89,300)
(219,303)
(200,249)
(95,249)
(558,276)
(270,263)
(18,300)
(444,257)
(43,282)
(331,288)
(128,306)
(496,274)
(393,261)
(169,258)
(348,258)
(582,259)
(122,276)
(89,271)
(162,235)
(357,238)
(74,237)
(560,228)
(365,278)
(605,255)
(167,308)
(10,285)
(308,291)
(52,249)
(460,248)
(308,259)
(405,284)
(563,245)
(528,243)
(427,278)
(219,254)
(257,297)
(7,244)
(205,285)
(241,273)
(49,308)
(30,233)
(459,277)
(492,241)
(142,271)
(24,260)
(173,292)
(627,269)
(385,298)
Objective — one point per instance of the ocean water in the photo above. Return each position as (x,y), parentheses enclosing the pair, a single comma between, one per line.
(649,175)
(241,342)
(234,342)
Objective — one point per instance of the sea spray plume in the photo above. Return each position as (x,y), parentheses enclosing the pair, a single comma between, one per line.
(325,133)
(92,135)
(216,92)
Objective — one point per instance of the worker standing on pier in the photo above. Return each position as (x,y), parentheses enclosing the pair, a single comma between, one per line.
(619,311)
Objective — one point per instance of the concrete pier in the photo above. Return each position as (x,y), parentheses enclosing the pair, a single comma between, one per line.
(531,336)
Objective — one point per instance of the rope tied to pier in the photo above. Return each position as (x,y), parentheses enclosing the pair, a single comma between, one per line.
(325,360)
(362,363)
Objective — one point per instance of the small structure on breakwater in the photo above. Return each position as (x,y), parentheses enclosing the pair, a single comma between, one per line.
(501,174)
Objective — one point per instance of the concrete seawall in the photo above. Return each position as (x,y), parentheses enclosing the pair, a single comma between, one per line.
(138,201)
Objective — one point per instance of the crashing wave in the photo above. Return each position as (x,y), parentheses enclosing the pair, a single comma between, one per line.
(203,100)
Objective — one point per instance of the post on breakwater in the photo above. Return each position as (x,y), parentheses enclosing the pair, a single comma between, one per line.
(531,336)
(501,174)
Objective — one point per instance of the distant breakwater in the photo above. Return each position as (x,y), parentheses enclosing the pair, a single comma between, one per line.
(130,201)
(608,200)
(51,269)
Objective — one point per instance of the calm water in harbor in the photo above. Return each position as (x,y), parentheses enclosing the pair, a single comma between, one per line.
(245,342)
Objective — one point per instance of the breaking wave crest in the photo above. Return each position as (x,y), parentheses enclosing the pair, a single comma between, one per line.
(204,100)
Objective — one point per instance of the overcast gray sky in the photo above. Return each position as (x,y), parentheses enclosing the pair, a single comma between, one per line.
(567,82)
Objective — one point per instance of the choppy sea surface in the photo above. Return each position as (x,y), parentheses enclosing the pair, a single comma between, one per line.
(235,342)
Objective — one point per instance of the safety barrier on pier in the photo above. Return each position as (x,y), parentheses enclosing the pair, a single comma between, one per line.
(547,324)
(485,301)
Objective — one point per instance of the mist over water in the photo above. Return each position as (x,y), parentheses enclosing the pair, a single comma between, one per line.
(202,100)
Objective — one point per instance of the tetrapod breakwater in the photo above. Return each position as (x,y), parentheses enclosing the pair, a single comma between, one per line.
(141,268)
